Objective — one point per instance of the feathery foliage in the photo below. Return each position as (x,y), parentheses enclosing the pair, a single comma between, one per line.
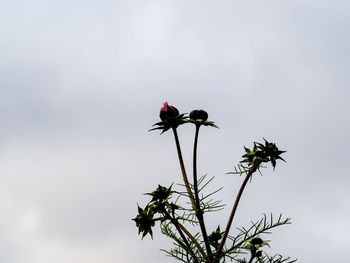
(176,210)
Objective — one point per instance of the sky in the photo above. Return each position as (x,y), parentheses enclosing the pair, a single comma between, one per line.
(82,82)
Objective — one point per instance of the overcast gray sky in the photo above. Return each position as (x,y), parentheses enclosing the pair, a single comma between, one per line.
(81,82)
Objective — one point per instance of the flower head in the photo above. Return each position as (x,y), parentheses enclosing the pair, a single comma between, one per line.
(254,244)
(161,194)
(200,117)
(262,153)
(144,221)
(170,118)
(215,237)
(256,241)
(168,111)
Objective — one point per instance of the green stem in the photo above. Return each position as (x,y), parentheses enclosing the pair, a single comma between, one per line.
(234,208)
(193,240)
(176,224)
(199,212)
(183,170)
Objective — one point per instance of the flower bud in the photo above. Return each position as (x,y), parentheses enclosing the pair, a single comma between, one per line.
(257,241)
(199,115)
(144,221)
(168,111)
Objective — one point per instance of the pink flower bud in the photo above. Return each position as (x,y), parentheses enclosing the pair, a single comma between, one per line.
(168,112)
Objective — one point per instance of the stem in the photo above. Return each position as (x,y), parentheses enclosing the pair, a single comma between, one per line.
(234,208)
(190,236)
(176,224)
(251,259)
(193,239)
(199,212)
(183,170)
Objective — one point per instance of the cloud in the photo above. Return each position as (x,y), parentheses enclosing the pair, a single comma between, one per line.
(82,83)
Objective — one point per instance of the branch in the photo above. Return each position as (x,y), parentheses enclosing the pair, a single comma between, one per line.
(234,208)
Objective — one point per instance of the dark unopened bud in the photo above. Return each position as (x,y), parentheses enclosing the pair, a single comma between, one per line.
(168,111)
(258,254)
(215,236)
(257,241)
(144,221)
(199,115)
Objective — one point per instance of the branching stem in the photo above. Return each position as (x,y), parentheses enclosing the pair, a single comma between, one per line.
(177,226)
(193,239)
